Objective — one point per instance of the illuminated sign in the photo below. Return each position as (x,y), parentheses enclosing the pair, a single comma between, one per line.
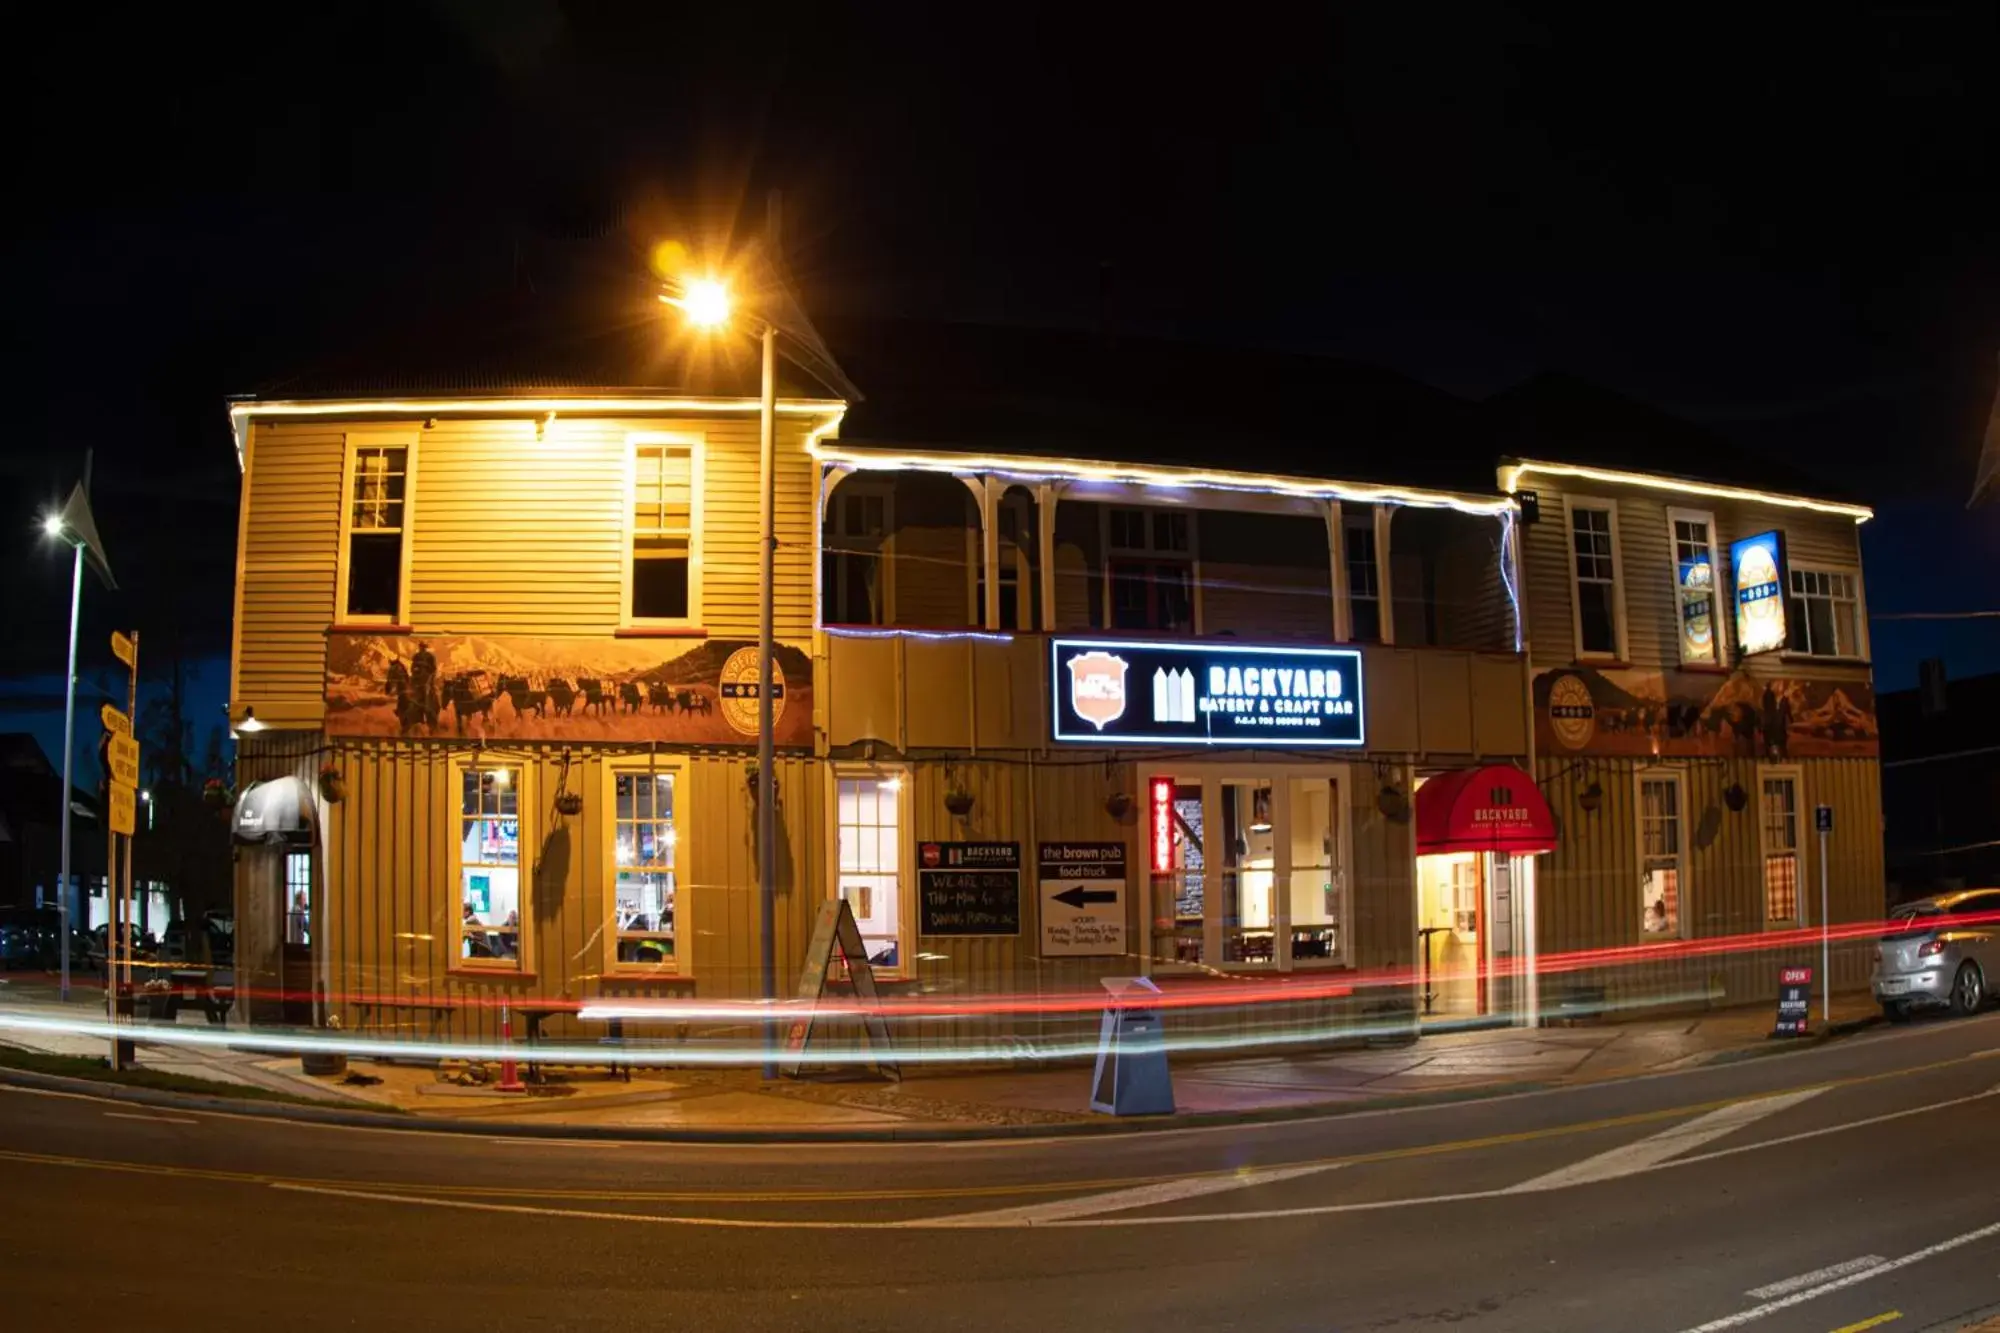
(1758,566)
(1141,693)
(1160,812)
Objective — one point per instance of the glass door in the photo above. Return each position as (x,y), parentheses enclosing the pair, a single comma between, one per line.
(1255,875)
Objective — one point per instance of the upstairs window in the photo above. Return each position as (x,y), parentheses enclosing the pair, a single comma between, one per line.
(855,569)
(1594,546)
(664,549)
(1824,618)
(1364,578)
(374,523)
(1695,587)
(1151,564)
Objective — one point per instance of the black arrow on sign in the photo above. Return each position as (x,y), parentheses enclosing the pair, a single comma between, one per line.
(1079,895)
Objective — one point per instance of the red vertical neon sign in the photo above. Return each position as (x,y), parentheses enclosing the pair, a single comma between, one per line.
(1161,810)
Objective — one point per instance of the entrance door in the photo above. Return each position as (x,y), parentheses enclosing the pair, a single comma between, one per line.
(1451,912)
(1255,871)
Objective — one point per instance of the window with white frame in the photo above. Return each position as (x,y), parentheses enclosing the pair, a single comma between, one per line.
(1824,618)
(298,897)
(857,582)
(645,841)
(1662,848)
(664,539)
(1364,577)
(374,524)
(1780,835)
(1594,549)
(1150,556)
(1695,583)
(868,864)
(489,866)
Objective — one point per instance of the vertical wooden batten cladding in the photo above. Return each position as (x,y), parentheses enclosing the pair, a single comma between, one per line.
(1588,888)
(393,908)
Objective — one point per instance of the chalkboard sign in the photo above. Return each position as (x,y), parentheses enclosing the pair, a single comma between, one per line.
(968,888)
(1794,1002)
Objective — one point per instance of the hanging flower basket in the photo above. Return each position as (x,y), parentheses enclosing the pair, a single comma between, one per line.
(959,802)
(569,804)
(1118,805)
(214,794)
(332,785)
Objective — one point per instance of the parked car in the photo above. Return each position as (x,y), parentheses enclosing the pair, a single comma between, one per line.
(1939,952)
(29,937)
(142,945)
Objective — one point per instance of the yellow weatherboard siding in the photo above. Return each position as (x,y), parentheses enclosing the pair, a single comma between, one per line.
(515,526)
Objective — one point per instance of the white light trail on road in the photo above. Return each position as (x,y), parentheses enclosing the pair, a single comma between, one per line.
(1632,1158)
(1140,1196)
(1752,1315)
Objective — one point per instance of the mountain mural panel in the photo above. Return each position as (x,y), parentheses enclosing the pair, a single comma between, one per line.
(1580,710)
(503,687)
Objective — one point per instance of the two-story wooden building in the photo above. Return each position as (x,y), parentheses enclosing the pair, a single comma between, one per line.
(1048,714)
(1698,634)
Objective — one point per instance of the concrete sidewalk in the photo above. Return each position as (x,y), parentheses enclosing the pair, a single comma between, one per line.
(1446,1063)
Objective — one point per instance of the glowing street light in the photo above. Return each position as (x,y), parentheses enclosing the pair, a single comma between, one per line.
(52,525)
(705,302)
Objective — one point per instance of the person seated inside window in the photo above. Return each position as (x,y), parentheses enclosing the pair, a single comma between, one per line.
(1656,918)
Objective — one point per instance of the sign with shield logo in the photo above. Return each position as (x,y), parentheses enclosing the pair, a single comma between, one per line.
(1097,687)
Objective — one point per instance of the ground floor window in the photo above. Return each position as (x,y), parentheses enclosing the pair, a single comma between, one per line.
(645,841)
(868,833)
(1780,833)
(1661,840)
(298,898)
(492,887)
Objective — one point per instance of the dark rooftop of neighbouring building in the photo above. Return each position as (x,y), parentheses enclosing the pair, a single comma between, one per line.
(1559,418)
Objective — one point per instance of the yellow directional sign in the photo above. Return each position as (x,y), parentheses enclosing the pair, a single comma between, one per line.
(125,650)
(124,753)
(115,722)
(122,820)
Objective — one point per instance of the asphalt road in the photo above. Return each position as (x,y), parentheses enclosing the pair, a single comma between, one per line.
(1815,1190)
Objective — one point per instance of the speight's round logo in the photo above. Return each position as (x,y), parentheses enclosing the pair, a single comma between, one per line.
(1572,712)
(737,686)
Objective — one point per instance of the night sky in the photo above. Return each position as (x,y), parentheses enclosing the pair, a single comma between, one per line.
(1782,228)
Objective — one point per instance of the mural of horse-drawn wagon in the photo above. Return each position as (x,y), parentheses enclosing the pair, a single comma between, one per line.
(489,687)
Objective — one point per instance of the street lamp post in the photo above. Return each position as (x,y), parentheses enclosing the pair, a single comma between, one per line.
(707,305)
(56,528)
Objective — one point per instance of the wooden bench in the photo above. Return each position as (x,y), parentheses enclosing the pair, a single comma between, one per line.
(371,1008)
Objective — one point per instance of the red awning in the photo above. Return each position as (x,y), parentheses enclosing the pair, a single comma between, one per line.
(1493,809)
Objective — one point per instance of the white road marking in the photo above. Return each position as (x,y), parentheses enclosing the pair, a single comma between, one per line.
(1140,1196)
(1792,1284)
(1632,1158)
(1755,1313)
(963,1220)
(156,1119)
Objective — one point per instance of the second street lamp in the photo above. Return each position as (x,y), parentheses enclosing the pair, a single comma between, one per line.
(706,304)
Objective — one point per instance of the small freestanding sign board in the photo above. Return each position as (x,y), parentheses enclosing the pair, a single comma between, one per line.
(1794,1002)
(1131,1076)
(835,930)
